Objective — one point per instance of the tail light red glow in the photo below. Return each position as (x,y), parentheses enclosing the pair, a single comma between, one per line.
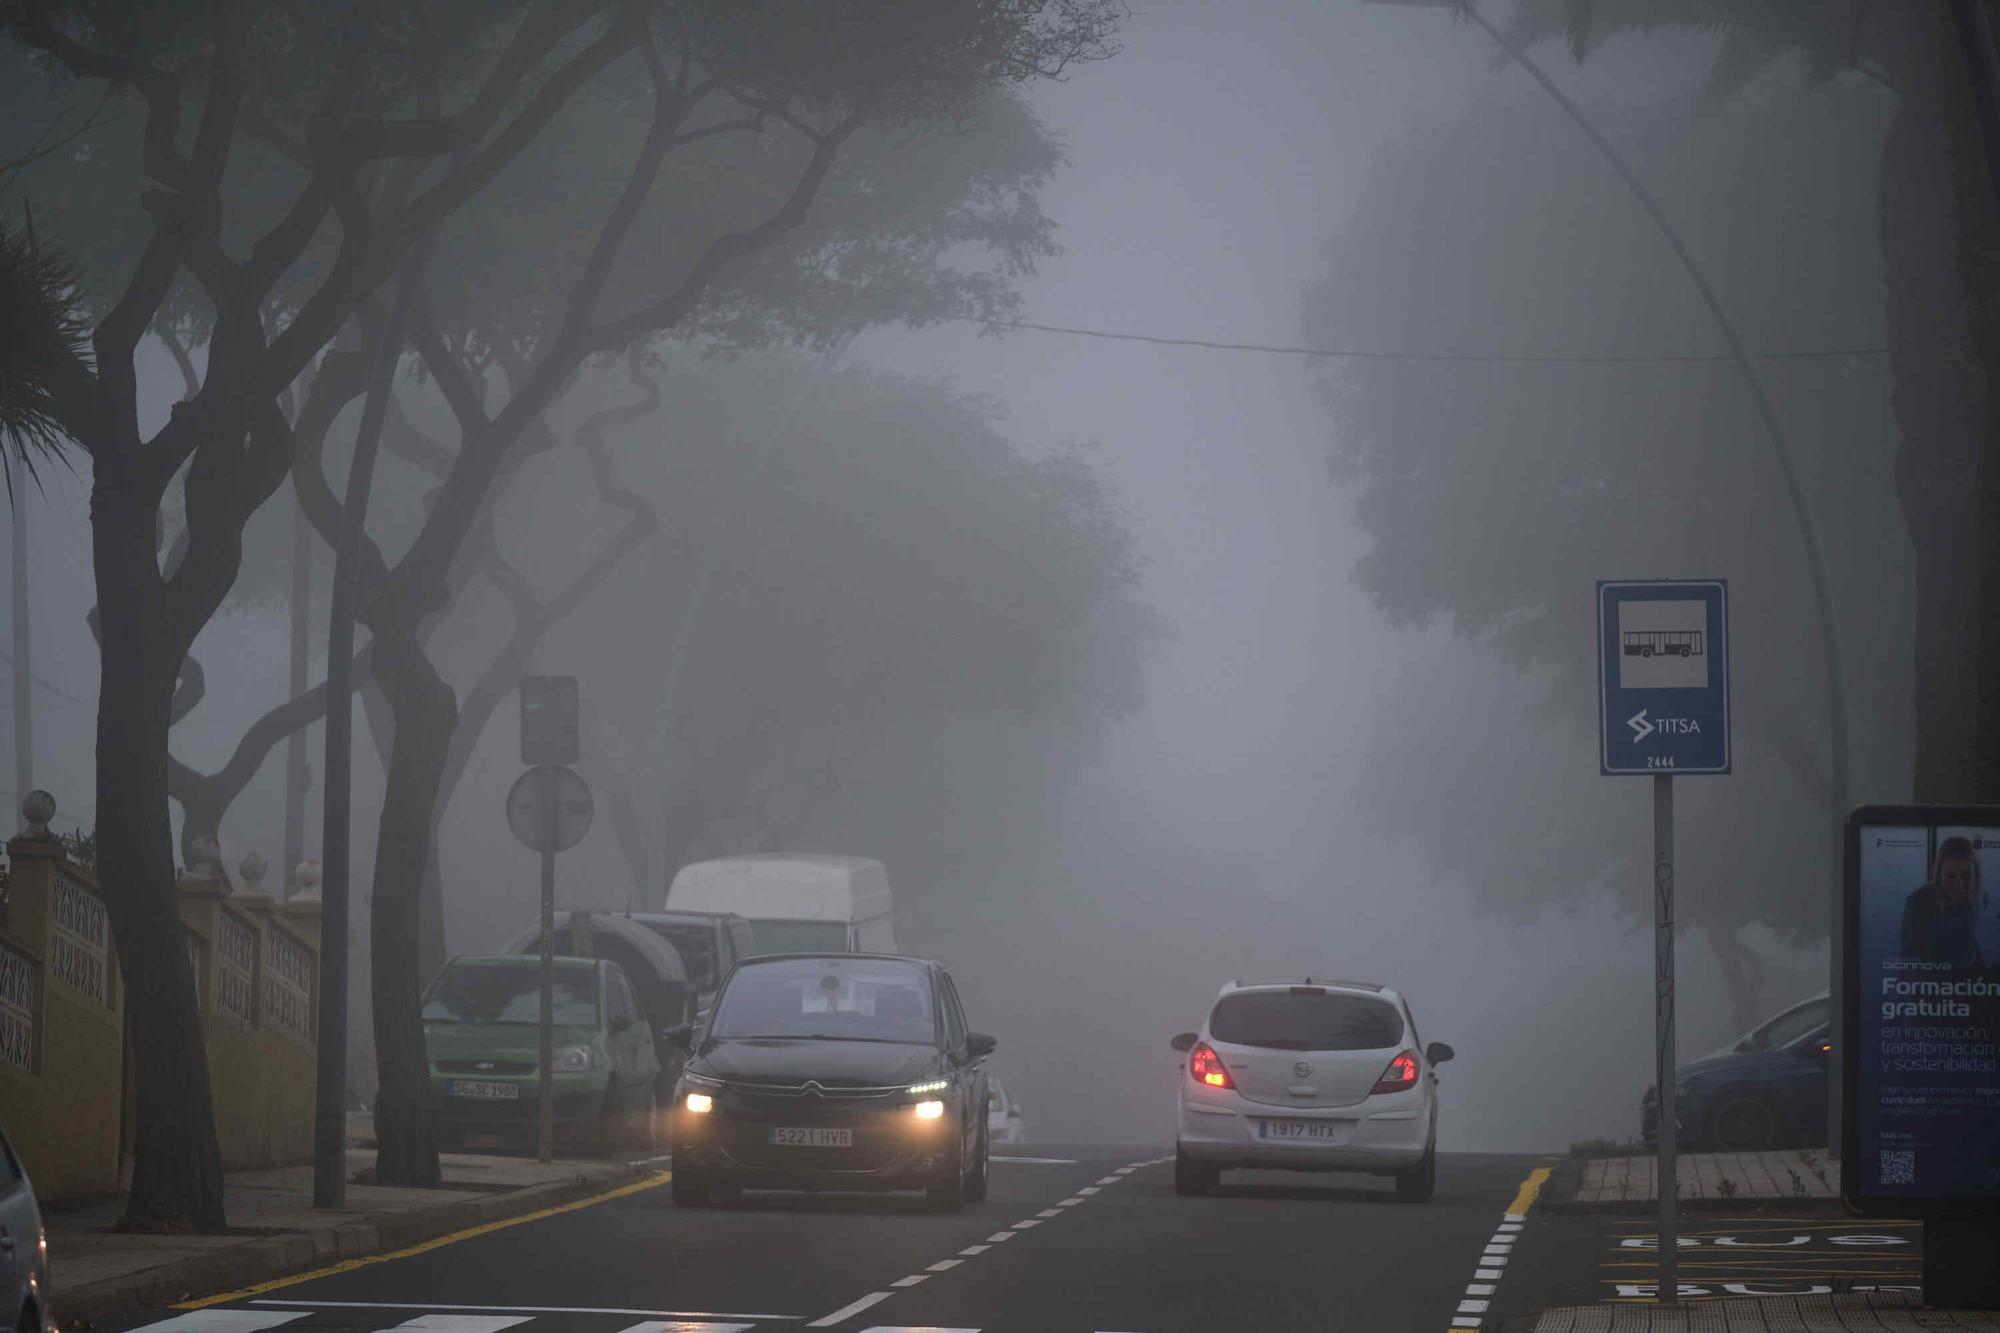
(1400,1076)
(1205,1066)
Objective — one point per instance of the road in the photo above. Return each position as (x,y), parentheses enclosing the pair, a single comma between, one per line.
(1085,1240)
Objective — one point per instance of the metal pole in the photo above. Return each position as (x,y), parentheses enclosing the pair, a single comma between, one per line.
(24,717)
(1667,1169)
(545,1116)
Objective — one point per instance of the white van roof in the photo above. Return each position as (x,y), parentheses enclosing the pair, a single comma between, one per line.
(785,888)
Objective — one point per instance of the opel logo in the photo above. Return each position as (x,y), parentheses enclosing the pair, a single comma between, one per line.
(1302,1069)
(811,1089)
(483,1065)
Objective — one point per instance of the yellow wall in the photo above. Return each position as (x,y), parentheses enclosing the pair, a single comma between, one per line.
(256,981)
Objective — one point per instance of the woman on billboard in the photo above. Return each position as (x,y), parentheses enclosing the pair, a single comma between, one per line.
(1940,921)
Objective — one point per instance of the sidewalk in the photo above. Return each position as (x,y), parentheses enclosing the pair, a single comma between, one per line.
(275,1230)
(1874,1311)
(1797,1176)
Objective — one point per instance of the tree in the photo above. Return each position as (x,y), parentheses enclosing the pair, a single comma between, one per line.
(42,334)
(1494,494)
(349,103)
(1940,244)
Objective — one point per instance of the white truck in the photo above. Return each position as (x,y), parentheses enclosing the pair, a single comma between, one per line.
(795,904)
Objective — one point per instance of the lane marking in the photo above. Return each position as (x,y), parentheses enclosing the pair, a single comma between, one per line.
(687,1326)
(849,1311)
(1070,1202)
(225,1321)
(911,1281)
(1088,1190)
(463,1323)
(1110,1180)
(653,1181)
(1473,1307)
(999,1236)
(975,1249)
(1531,1189)
(945,1265)
(1031,1222)
(309,1306)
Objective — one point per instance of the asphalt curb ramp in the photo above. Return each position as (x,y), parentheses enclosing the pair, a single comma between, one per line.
(289,1252)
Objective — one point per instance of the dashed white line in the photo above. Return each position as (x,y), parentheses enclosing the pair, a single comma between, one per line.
(945,1265)
(1024,1225)
(1110,1180)
(849,1311)
(999,1236)
(975,1249)
(911,1281)
(1087,1191)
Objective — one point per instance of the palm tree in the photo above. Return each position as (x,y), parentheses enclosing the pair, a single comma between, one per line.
(44,343)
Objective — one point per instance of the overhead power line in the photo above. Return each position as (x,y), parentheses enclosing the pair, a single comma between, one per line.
(57,690)
(1377,354)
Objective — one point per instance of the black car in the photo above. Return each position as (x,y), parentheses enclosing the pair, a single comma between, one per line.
(835,1071)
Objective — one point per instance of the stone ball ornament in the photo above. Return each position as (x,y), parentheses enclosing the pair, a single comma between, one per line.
(38,808)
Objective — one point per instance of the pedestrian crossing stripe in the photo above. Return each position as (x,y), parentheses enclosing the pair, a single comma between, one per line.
(494,1320)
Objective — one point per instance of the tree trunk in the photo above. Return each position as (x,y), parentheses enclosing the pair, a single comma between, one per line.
(1938,403)
(431,952)
(298,775)
(177,1167)
(426,712)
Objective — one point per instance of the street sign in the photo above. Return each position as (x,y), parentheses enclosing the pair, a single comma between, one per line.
(1663,676)
(526,808)
(548,720)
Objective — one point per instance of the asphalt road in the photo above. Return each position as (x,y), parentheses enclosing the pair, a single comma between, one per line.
(1083,1240)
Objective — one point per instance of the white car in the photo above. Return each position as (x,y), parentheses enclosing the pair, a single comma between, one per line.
(1311,1076)
(1003,1115)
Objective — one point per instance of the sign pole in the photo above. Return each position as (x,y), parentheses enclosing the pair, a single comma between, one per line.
(545,1137)
(1667,1170)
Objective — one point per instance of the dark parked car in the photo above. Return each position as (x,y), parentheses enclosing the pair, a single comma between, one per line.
(1767,1090)
(834,1071)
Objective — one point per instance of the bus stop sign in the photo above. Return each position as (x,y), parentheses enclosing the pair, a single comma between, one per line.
(1663,676)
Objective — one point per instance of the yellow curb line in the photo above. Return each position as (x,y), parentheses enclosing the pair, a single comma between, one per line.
(1531,1189)
(653,1181)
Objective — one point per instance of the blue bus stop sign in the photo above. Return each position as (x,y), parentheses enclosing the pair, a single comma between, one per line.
(1663,676)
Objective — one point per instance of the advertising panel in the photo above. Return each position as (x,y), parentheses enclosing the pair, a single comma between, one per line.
(1922,992)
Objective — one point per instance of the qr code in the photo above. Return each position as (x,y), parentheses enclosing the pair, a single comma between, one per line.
(1899,1167)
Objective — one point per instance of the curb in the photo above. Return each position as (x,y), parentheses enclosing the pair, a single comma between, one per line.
(1812,1204)
(261,1260)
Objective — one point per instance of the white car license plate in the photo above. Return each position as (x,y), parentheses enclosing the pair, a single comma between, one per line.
(1307,1131)
(812,1138)
(487,1092)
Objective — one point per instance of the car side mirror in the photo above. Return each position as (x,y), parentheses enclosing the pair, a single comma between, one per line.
(1437,1053)
(1184,1042)
(978,1045)
(680,1035)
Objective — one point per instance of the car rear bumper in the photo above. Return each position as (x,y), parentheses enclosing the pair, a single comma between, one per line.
(1369,1140)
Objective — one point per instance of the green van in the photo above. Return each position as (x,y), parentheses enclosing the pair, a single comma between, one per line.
(482,1037)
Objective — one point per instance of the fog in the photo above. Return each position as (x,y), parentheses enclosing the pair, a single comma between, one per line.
(1320,717)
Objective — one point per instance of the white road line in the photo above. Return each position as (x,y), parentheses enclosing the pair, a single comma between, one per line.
(1486,1274)
(907,1328)
(1110,1180)
(1473,1307)
(1125,1170)
(975,1249)
(999,1236)
(1070,1202)
(911,1281)
(1088,1190)
(1510,1226)
(1514,1217)
(1023,1226)
(222,1321)
(1479,1289)
(687,1326)
(945,1265)
(849,1311)
(309,1306)
(1049,1212)
(463,1323)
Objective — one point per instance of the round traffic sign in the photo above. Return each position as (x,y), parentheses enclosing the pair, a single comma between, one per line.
(528,809)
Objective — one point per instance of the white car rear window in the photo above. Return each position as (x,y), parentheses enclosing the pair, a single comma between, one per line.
(1303,1020)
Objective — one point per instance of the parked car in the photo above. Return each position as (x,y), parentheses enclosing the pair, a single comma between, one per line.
(1318,1076)
(797,903)
(24,1245)
(1765,1090)
(1004,1123)
(482,1032)
(671,960)
(834,1071)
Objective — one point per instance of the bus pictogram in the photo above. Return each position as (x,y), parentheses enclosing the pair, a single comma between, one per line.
(1663,643)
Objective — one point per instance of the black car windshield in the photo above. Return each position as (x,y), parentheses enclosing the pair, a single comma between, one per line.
(1288,1021)
(510,990)
(853,999)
